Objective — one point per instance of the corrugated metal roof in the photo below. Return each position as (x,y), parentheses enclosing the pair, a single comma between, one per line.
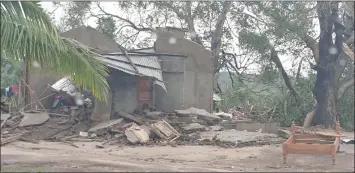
(65,84)
(148,61)
(144,50)
(146,66)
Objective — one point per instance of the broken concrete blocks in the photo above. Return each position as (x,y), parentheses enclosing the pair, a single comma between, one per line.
(136,134)
(193,127)
(30,119)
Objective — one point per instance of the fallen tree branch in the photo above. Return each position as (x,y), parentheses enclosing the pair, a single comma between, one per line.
(12,138)
(70,143)
(29,140)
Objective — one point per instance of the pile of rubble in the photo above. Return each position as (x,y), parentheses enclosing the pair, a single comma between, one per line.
(143,127)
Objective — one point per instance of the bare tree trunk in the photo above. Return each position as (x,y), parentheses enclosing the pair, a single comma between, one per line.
(216,41)
(325,113)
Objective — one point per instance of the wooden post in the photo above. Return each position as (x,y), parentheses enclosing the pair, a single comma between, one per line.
(337,131)
(337,127)
(293,128)
(284,153)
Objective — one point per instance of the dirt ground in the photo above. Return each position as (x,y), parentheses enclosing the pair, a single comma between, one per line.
(51,156)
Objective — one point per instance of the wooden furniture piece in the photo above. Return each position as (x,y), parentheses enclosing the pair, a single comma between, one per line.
(312,143)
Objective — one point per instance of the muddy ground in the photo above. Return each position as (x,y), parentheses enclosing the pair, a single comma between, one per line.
(51,156)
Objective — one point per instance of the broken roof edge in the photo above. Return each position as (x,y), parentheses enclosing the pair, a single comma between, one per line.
(146,48)
(144,66)
(158,82)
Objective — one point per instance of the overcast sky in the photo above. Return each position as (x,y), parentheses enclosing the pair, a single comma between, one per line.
(111,7)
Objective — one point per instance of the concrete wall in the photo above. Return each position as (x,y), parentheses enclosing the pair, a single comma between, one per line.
(93,39)
(89,37)
(39,84)
(198,73)
(173,75)
(102,110)
(124,91)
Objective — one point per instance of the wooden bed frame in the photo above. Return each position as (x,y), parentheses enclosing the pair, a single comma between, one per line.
(312,143)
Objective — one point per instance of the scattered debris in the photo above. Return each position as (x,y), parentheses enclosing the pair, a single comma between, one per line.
(30,119)
(223,114)
(93,135)
(136,134)
(5,116)
(144,126)
(11,138)
(154,115)
(83,134)
(105,125)
(284,133)
(3,123)
(84,140)
(165,130)
(147,129)
(215,128)
(70,143)
(29,140)
(99,146)
(240,138)
(131,117)
(347,141)
(203,114)
(194,127)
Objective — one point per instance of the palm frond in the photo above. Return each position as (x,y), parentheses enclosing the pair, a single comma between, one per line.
(26,31)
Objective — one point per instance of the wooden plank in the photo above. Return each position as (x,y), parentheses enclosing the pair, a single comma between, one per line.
(290,140)
(309,149)
(337,143)
(329,134)
(5,141)
(3,123)
(314,141)
(307,136)
(29,140)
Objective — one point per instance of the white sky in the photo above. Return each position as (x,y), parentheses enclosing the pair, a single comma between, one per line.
(111,7)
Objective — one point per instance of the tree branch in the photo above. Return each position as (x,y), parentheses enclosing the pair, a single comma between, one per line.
(348,51)
(299,70)
(312,44)
(218,32)
(275,58)
(134,26)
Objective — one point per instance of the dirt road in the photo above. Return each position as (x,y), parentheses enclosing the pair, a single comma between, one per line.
(49,156)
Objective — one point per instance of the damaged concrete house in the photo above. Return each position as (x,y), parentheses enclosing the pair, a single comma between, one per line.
(174,74)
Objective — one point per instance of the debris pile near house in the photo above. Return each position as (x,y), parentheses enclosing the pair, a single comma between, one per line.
(145,126)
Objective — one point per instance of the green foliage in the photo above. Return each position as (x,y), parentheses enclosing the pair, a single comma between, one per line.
(11,71)
(253,41)
(27,32)
(346,110)
(75,14)
(107,26)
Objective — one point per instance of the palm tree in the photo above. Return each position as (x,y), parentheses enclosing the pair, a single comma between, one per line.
(27,32)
